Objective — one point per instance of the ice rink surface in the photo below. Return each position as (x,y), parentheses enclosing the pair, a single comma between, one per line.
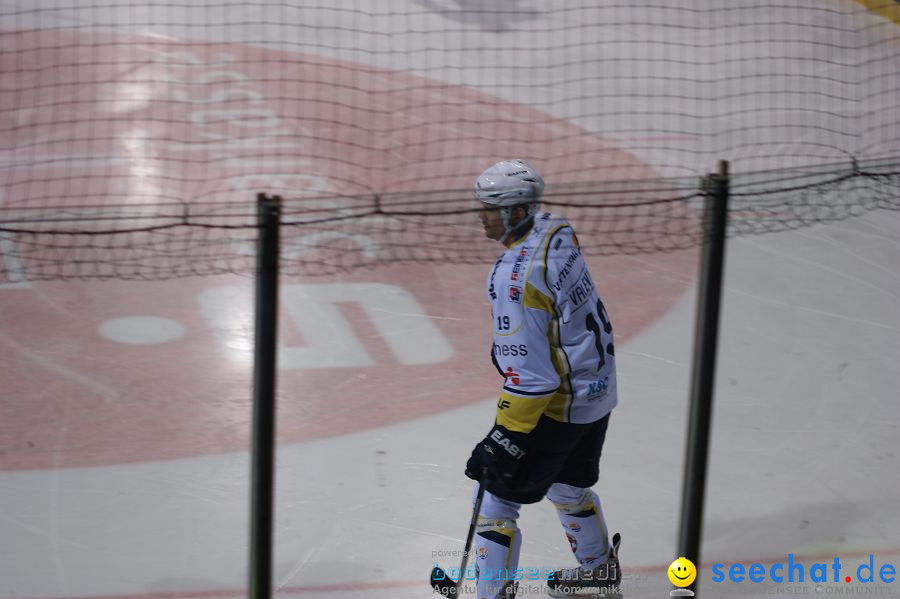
(370,491)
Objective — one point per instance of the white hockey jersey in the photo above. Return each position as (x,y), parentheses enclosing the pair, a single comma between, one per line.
(552,337)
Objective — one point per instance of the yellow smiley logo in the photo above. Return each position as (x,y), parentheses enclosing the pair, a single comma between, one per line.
(682,572)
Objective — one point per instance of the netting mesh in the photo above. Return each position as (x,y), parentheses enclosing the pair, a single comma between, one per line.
(322,236)
(134,138)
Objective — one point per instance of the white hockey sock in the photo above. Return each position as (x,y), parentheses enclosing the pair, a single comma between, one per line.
(583,522)
(496,554)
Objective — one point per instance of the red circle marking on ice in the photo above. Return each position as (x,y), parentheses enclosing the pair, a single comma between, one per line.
(116,371)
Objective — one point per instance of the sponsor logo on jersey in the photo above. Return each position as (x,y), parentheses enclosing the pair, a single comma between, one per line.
(502,349)
(581,291)
(575,527)
(598,388)
(515,294)
(571,259)
(503,404)
(512,377)
(572,542)
(482,553)
(517,265)
(491,291)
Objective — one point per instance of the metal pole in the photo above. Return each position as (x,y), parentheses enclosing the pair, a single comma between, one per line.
(706,331)
(262,475)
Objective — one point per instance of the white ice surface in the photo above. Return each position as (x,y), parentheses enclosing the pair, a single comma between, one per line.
(804,458)
(805,436)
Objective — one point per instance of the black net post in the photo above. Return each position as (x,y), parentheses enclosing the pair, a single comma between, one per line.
(262,476)
(709,292)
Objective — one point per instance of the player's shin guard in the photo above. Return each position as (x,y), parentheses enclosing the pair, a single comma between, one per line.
(496,555)
(580,514)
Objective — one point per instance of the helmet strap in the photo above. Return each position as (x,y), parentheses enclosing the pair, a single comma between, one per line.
(522,226)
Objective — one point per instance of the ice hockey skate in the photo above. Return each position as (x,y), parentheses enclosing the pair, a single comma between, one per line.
(602,581)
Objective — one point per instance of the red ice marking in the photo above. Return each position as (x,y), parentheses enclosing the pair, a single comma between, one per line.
(146,121)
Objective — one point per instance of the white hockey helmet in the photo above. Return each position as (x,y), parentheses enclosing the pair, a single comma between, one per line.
(510,183)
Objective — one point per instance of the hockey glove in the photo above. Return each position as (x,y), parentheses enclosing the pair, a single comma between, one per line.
(501,452)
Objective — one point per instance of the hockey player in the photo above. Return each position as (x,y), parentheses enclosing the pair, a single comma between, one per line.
(553,344)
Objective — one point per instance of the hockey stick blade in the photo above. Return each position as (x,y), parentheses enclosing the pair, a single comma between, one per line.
(442,584)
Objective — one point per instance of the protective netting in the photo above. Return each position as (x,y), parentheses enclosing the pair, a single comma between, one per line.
(322,236)
(775,201)
(134,137)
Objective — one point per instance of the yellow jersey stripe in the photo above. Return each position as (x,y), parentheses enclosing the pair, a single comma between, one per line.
(521,414)
(535,299)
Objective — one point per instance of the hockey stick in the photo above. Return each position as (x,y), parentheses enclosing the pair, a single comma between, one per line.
(440,582)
